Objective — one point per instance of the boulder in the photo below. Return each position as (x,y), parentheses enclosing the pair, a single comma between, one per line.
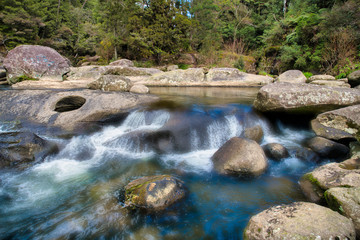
(111,83)
(354,78)
(130,71)
(255,133)
(328,149)
(21,149)
(35,62)
(172,68)
(299,220)
(304,98)
(347,202)
(276,151)
(321,78)
(188,77)
(122,63)
(90,73)
(306,154)
(331,175)
(154,193)
(139,88)
(292,76)
(68,110)
(331,83)
(234,77)
(339,124)
(2,74)
(240,157)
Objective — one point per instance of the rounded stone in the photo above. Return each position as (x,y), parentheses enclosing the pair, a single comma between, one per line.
(354,78)
(292,76)
(275,151)
(240,157)
(139,88)
(328,149)
(255,133)
(154,193)
(299,220)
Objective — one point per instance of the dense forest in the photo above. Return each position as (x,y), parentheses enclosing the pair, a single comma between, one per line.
(268,36)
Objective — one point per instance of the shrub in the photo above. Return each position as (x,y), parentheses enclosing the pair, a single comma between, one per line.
(240,64)
(308,74)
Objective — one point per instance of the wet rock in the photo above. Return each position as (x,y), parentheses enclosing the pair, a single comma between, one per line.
(339,124)
(328,149)
(111,83)
(22,149)
(139,88)
(240,157)
(254,133)
(304,98)
(191,76)
(35,62)
(331,83)
(331,175)
(307,154)
(122,63)
(276,151)
(292,76)
(154,193)
(39,106)
(347,202)
(354,78)
(299,220)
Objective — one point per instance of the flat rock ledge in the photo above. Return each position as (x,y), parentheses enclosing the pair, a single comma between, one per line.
(299,220)
(304,98)
(68,110)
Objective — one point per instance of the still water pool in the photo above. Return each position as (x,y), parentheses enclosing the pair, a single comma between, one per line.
(76,194)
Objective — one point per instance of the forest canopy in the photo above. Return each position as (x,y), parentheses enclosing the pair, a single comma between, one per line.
(258,36)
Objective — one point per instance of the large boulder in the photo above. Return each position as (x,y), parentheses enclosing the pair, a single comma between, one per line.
(255,133)
(188,77)
(89,73)
(299,220)
(315,183)
(35,62)
(240,157)
(331,83)
(339,124)
(111,83)
(122,63)
(234,77)
(354,78)
(328,149)
(347,202)
(292,76)
(68,110)
(21,149)
(154,193)
(304,98)
(276,151)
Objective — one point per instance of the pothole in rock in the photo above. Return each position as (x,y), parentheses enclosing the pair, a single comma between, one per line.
(69,103)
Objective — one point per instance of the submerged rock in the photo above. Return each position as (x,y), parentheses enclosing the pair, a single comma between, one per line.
(292,76)
(307,154)
(240,157)
(299,220)
(255,133)
(35,62)
(275,151)
(331,175)
(111,83)
(304,98)
(347,202)
(328,149)
(154,193)
(21,149)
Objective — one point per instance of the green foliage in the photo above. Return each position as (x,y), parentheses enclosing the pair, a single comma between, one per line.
(263,73)
(307,74)
(240,64)
(183,66)
(344,71)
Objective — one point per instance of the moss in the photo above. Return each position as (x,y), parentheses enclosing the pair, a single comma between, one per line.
(21,78)
(333,202)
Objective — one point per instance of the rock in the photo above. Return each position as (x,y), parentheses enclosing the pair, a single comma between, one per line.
(304,98)
(276,151)
(347,202)
(234,77)
(354,78)
(331,175)
(21,149)
(307,154)
(254,133)
(139,88)
(35,62)
(154,193)
(172,68)
(321,78)
(240,157)
(2,74)
(292,76)
(331,83)
(111,83)
(328,149)
(299,220)
(339,124)
(83,108)
(122,63)
(130,71)
(90,73)
(188,77)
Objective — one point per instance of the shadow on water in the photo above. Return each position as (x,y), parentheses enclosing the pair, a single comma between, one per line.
(75,193)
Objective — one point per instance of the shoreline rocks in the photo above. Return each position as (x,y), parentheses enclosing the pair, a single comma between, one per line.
(292,76)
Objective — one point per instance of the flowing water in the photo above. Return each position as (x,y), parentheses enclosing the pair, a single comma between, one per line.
(76,194)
